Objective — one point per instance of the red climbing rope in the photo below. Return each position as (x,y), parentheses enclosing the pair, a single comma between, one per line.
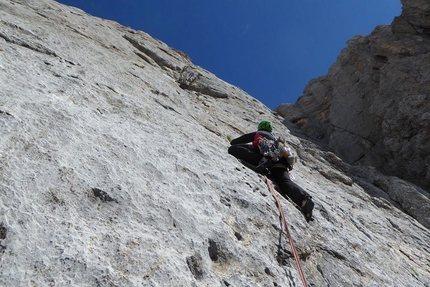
(290,240)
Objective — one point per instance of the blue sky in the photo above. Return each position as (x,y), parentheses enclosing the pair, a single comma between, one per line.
(270,49)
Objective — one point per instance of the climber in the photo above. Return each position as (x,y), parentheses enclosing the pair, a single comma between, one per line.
(263,153)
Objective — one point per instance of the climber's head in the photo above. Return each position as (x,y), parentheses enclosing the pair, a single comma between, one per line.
(265,126)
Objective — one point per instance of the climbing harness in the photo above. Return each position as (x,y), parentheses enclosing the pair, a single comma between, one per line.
(290,240)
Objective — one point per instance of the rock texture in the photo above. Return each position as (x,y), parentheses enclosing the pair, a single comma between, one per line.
(114,172)
(372,108)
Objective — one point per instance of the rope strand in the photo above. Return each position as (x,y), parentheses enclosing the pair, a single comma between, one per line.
(290,240)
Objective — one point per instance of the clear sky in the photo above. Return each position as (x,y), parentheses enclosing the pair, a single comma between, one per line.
(269,48)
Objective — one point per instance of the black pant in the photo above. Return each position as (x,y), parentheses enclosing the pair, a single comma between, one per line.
(288,187)
(251,156)
(246,152)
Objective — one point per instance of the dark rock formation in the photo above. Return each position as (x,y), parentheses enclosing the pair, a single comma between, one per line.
(372,108)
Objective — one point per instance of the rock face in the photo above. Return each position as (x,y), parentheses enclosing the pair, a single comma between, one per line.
(114,172)
(372,108)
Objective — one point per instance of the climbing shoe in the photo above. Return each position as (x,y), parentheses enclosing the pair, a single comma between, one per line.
(307,209)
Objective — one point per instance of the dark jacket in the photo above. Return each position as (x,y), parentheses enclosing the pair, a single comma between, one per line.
(253,138)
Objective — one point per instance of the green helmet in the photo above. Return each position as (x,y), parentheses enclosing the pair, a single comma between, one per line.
(265,126)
